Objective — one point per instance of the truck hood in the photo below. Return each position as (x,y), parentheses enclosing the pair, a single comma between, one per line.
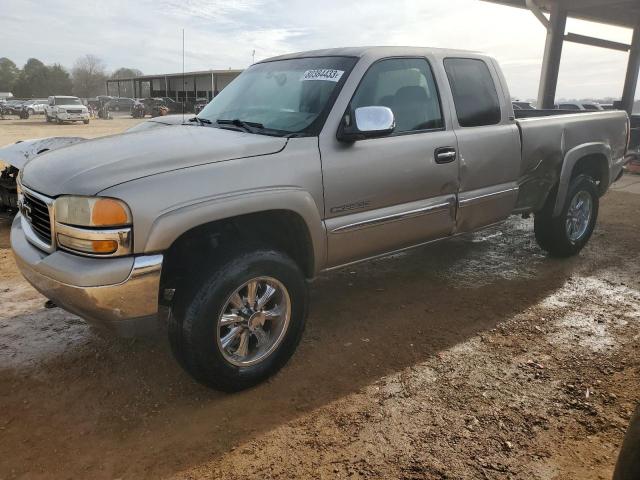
(91,166)
(20,153)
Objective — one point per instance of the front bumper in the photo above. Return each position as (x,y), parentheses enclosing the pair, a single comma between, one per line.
(73,117)
(59,276)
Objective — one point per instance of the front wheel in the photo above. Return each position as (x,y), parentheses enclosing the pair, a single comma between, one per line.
(568,233)
(86,122)
(243,322)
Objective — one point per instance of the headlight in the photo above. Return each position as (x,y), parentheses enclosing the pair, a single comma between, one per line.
(93,226)
(92,212)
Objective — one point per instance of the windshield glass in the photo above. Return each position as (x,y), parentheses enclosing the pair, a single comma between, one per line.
(286,96)
(68,101)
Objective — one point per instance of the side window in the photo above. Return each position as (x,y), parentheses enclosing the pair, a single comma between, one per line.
(407,87)
(474,93)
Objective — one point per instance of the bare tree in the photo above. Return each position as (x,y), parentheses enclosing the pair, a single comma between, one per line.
(88,76)
(125,72)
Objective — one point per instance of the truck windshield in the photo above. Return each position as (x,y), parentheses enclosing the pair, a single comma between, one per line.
(68,101)
(281,97)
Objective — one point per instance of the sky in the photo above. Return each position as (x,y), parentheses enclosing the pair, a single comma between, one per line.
(220,34)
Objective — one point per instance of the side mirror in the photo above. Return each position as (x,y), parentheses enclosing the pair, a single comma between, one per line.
(366,122)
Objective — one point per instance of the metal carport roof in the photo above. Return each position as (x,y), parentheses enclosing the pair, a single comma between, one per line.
(622,13)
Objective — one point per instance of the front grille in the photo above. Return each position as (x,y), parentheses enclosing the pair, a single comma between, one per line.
(37,213)
(74,111)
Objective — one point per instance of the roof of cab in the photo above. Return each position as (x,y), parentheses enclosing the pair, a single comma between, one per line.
(372,51)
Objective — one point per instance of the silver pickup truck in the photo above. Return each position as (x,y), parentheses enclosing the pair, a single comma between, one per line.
(304,163)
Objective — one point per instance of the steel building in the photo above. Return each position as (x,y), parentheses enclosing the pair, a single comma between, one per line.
(186,86)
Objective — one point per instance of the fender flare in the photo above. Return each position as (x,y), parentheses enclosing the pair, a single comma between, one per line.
(570,160)
(173,223)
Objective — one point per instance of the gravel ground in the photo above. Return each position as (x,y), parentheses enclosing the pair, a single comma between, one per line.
(474,358)
(12,129)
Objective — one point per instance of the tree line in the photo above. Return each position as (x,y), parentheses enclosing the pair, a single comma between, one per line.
(35,79)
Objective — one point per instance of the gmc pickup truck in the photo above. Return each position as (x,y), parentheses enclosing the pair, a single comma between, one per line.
(62,109)
(304,163)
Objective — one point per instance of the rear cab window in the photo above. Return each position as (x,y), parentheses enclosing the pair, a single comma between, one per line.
(474,92)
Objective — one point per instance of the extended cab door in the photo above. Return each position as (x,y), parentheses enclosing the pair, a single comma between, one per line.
(384,194)
(488,142)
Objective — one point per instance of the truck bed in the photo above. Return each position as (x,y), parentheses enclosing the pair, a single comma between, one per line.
(547,141)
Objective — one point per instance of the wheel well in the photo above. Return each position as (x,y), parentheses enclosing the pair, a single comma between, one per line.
(595,166)
(279,229)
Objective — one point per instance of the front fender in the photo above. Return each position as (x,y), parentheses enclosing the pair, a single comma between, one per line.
(570,160)
(173,223)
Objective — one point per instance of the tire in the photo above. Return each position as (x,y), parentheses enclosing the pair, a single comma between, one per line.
(86,122)
(58,121)
(195,333)
(554,234)
(47,118)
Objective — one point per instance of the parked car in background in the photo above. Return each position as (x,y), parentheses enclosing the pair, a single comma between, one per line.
(392,148)
(522,106)
(138,109)
(172,105)
(12,160)
(591,106)
(35,106)
(66,109)
(199,104)
(14,106)
(104,98)
(569,106)
(120,104)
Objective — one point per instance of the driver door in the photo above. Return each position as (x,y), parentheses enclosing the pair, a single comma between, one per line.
(385,194)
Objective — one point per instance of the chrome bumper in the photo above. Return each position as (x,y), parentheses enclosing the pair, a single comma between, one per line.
(133,297)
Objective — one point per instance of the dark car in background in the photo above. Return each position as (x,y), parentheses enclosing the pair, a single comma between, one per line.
(120,104)
(104,98)
(14,106)
(199,104)
(172,105)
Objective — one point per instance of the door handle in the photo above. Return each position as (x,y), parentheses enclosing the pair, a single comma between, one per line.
(445,155)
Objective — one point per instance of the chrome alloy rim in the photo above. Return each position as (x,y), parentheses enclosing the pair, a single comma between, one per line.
(579,216)
(253,321)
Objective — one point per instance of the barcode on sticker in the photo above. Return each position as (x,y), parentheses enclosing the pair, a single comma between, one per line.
(327,74)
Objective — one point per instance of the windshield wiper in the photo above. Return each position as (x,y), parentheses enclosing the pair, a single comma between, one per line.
(246,126)
(201,121)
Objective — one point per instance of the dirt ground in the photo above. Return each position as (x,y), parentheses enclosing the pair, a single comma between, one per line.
(13,129)
(474,358)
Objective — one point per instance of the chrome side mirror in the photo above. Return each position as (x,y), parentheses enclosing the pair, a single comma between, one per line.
(367,122)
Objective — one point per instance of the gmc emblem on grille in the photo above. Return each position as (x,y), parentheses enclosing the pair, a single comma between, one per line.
(25,209)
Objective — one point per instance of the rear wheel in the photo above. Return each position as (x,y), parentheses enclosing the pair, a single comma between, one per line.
(568,233)
(243,322)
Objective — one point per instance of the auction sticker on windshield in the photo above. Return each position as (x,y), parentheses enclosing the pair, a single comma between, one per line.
(327,74)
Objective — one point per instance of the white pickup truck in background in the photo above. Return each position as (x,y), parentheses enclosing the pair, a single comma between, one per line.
(66,109)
